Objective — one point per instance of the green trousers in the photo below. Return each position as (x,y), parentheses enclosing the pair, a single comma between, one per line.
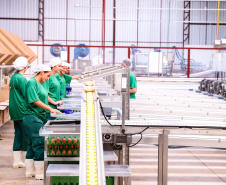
(20,139)
(48,117)
(35,149)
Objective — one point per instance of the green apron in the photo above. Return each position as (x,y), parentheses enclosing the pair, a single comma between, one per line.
(34,119)
(16,110)
(35,149)
(53,88)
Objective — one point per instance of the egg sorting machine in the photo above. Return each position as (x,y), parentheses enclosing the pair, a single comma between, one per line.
(108,141)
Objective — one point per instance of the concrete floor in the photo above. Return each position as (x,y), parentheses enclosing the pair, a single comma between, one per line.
(187,165)
(8,175)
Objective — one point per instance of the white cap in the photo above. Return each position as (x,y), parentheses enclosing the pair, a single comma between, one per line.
(66,64)
(54,61)
(20,63)
(126,62)
(41,67)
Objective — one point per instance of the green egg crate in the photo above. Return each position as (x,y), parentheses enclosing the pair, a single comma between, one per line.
(62,147)
(66,180)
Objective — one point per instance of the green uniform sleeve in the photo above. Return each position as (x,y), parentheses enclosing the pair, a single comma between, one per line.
(68,78)
(32,95)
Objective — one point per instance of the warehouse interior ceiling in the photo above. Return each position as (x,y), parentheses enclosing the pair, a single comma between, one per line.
(138,22)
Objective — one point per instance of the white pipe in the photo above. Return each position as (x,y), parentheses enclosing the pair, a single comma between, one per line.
(118,110)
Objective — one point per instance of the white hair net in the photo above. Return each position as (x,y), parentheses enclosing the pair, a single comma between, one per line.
(54,61)
(41,67)
(126,62)
(20,63)
(66,64)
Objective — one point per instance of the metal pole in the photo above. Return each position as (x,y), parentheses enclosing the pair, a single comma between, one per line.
(128,52)
(163,158)
(66,20)
(103,30)
(123,110)
(120,160)
(114,16)
(188,70)
(68,55)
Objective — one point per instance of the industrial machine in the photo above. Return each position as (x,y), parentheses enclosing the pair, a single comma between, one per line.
(152,63)
(81,52)
(95,146)
(216,86)
(96,160)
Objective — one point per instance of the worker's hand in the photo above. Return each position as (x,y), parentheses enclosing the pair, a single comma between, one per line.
(54,111)
(76,77)
(59,102)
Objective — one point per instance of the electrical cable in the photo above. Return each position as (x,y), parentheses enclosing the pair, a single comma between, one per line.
(105,116)
(124,132)
(182,59)
(136,142)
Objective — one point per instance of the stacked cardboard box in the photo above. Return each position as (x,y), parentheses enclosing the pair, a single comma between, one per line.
(12,47)
(4,112)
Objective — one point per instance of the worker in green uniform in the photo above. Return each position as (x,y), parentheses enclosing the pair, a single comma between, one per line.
(67,67)
(64,79)
(53,86)
(34,118)
(133,80)
(16,110)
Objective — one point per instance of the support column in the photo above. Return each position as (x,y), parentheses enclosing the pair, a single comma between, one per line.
(41,21)
(163,158)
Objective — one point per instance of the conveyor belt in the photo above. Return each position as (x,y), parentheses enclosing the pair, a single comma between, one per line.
(101,72)
(171,124)
(91,145)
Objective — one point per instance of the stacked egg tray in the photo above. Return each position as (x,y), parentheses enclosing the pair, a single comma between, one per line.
(63,146)
(73,180)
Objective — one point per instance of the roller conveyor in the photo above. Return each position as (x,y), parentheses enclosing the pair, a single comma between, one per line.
(72,106)
(107,70)
(73,116)
(74,99)
(91,169)
(169,124)
(74,94)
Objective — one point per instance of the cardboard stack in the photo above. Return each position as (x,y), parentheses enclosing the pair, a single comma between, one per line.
(11,47)
(4,112)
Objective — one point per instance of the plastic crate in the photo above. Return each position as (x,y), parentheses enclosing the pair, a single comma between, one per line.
(63,149)
(65,180)
(109,180)
(74,180)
